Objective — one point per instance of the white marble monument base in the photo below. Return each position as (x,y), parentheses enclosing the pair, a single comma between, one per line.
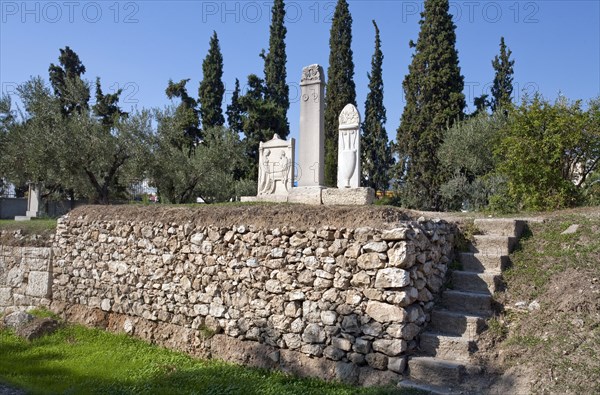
(348,196)
(306,195)
(265,198)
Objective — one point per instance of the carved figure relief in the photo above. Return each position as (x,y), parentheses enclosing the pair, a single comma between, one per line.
(311,73)
(275,173)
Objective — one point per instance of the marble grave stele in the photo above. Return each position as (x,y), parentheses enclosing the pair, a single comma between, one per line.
(349,148)
(277,169)
(276,166)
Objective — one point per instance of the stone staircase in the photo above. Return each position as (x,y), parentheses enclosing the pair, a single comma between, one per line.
(444,361)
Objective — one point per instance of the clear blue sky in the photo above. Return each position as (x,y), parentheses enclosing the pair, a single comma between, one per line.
(140,45)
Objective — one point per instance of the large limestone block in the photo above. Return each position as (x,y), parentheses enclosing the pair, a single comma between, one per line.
(306,195)
(392,278)
(264,198)
(348,196)
(383,312)
(38,284)
(5,297)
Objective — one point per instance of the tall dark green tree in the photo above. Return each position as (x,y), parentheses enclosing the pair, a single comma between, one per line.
(106,107)
(211,89)
(66,81)
(481,103)
(340,85)
(261,119)
(434,100)
(234,110)
(186,114)
(375,148)
(503,79)
(276,87)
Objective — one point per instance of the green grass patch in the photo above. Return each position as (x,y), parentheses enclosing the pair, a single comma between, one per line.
(77,360)
(550,252)
(43,312)
(30,227)
(558,345)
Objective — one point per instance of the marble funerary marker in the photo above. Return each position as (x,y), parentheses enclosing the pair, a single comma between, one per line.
(276,167)
(349,148)
(311,154)
(276,157)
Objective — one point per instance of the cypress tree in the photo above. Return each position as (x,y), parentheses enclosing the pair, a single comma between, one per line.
(434,100)
(65,78)
(234,110)
(276,87)
(186,114)
(261,119)
(211,89)
(340,85)
(503,79)
(375,148)
(106,107)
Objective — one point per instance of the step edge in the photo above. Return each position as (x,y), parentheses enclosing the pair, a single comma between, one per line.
(458,313)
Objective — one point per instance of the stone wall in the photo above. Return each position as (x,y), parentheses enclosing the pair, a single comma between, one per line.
(330,302)
(25,277)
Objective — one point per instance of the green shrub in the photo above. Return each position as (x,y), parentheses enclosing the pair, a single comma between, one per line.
(467,154)
(546,151)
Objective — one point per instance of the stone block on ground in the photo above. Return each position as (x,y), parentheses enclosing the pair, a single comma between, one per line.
(348,196)
(38,284)
(265,199)
(247,353)
(17,319)
(306,195)
(37,328)
(369,377)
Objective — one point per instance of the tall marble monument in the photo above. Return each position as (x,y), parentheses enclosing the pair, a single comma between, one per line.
(311,155)
(349,148)
(277,168)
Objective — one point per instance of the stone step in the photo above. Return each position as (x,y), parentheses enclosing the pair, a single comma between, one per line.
(429,389)
(468,302)
(444,346)
(493,245)
(435,371)
(458,324)
(500,226)
(479,263)
(479,282)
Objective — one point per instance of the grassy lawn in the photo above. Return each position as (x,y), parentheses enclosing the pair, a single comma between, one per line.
(77,360)
(558,344)
(31,227)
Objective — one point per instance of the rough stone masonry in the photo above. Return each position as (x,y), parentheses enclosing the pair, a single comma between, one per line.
(337,303)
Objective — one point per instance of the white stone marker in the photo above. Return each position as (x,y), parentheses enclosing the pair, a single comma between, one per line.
(276,167)
(349,148)
(34,201)
(311,154)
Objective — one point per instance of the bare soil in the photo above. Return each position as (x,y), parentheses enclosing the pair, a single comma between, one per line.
(258,215)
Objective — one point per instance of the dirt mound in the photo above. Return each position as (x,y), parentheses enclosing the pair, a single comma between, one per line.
(259,215)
